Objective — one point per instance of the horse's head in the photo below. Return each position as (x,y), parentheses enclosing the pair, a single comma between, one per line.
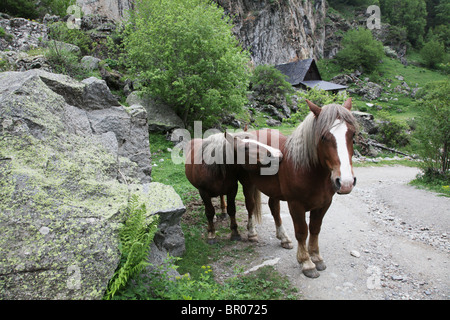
(250,153)
(336,129)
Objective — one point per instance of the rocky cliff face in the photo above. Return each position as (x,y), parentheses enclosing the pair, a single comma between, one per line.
(276,31)
(113,9)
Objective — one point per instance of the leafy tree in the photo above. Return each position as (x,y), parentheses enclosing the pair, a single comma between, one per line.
(269,81)
(360,49)
(410,14)
(32,9)
(433,127)
(20,8)
(184,52)
(433,53)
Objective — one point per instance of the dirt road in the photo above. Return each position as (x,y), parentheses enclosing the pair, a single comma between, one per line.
(385,240)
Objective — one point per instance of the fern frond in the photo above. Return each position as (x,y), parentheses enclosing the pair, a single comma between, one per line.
(135,238)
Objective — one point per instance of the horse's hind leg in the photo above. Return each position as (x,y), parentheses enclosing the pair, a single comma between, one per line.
(210,212)
(274,206)
(231,204)
(223,206)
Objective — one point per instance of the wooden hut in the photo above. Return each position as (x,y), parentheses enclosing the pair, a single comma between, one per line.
(304,74)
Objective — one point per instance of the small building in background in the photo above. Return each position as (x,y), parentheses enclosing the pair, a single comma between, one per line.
(304,74)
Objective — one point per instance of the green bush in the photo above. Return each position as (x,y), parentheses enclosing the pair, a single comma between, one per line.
(433,53)
(317,96)
(360,50)
(59,31)
(135,239)
(433,127)
(186,54)
(66,62)
(392,131)
(268,81)
(33,9)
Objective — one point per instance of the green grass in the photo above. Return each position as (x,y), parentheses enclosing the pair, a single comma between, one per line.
(404,107)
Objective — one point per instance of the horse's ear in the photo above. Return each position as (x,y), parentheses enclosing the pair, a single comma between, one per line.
(314,108)
(229,137)
(348,104)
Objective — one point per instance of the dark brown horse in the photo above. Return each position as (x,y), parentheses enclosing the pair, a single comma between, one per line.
(317,163)
(215,164)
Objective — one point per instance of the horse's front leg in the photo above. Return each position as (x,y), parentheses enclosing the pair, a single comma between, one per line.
(297,212)
(315,222)
(274,206)
(250,204)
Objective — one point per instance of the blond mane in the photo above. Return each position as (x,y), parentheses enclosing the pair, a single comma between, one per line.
(302,144)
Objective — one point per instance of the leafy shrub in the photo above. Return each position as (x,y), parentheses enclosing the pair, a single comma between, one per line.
(319,97)
(268,81)
(433,53)
(32,9)
(59,31)
(65,62)
(135,239)
(187,55)
(392,131)
(433,127)
(360,49)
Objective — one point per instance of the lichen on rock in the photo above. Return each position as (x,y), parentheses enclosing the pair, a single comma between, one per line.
(63,189)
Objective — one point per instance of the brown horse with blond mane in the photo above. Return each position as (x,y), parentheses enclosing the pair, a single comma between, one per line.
(317,163)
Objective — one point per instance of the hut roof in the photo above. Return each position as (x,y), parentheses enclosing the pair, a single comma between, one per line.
(323,85)
(296,71)
(305,73)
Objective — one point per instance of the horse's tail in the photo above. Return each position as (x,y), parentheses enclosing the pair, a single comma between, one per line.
(257,201)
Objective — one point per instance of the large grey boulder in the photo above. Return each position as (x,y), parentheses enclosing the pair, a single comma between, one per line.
(161,117)
(66,174)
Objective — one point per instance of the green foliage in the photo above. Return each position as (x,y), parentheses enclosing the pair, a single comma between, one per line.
(360,49)
(410,14)
(135,239)
(264,284)
(433,127)
(433,53)
(268,81)
(317,96)
(32,9)
(20,8)
(59,31)
(65,62)
(184,52)
(57,7)
(392,131)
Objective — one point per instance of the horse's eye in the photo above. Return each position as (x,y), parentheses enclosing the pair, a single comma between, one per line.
(323,138)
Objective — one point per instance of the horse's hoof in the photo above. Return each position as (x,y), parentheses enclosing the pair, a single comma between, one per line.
(212,241)
(320,265)
(311,273)
(235,237)
(287,245)
(253,238)
(222,216)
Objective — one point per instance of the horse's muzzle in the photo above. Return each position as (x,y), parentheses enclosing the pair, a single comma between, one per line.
(344,187)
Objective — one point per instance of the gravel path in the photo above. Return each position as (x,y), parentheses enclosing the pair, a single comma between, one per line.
(385,240)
